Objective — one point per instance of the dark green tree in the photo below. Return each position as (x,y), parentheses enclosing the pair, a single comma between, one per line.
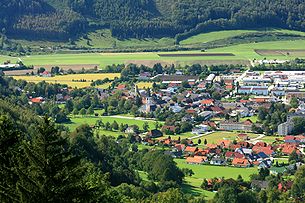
(48,172)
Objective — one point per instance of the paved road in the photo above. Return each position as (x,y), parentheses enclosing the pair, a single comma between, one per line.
(257,139)
(133,118)
(198,136)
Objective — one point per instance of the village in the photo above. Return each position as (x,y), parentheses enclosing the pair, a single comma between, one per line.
(191,108)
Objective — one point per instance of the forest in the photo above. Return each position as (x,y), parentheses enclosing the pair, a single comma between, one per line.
(64,19)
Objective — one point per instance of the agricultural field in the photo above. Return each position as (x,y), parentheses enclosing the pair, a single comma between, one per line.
(234,54)
(208,171)
(142,85)
(72,80)
(242,52)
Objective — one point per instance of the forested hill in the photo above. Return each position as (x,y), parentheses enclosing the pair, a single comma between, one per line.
(63,19)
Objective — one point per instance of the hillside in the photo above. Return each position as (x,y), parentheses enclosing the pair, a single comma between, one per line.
(64,19)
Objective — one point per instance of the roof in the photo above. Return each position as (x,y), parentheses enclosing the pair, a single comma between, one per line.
(191,149)
(207,101)
(37,100)
(241,161)
(196,159)
(267,150)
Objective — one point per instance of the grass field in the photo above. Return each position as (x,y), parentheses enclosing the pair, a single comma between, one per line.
(213,138)
(241,52)
(212,36)
(103,39)
(208,171)
(68,79)
(91,120)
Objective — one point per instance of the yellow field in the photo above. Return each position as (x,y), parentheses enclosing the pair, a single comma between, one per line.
(142,85)
(68,79)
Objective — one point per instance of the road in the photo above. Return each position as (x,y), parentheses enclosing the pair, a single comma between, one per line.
(257,139)
(198,136)
(132,118)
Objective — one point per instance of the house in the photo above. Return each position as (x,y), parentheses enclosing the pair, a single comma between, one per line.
(46,74)
(190,150)
(259,184)
(218,161)
(130,130)
(200,129)
(285,186)
(121,87)
(196,160)
(265,164)
(38,100)
(243,137)
(180,147)
(168,129)
(224,143)
(241,162)
(154,133)
(266,150)
(230,126)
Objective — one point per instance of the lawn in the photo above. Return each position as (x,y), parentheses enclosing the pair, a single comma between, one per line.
(214,137)
(270,139)
(91,120)
(208,171)
(72,80)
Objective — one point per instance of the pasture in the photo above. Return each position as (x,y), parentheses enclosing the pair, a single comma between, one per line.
(72,80)
(91,120)
(208,171)
(219,35)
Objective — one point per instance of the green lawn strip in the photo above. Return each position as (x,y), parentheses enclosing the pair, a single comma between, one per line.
(208,171)
(91,120)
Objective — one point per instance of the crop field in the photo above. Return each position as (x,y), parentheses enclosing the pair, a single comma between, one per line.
(280,52)
(208,171)
(142,85)
(194,54)
(242,52)
(72,80)
(247,51)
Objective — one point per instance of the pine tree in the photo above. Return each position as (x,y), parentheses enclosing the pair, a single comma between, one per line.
(49,172)
(9,139)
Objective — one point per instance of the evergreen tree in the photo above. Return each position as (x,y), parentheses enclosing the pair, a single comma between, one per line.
(8,143)
(48,172)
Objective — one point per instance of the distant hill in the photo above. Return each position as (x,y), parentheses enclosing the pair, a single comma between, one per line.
(64,19)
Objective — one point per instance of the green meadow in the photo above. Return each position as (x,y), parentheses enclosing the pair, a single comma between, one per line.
(91,120)
(208,171)
(217,35)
